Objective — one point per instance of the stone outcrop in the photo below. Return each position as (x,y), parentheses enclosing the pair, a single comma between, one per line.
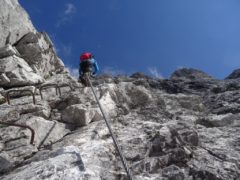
(185,135)
(234,75)
(189,74)
(37,49)
(14,71)
(12,26)
(27,57)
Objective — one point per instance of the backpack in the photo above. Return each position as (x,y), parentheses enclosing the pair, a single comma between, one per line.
(86,65)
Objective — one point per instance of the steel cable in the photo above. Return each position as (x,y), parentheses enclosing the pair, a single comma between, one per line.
(124,162)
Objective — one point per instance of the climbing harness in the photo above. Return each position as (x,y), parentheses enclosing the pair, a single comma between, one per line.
(124,162)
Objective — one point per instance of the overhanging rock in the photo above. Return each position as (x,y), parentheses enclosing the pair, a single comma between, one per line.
(14,71)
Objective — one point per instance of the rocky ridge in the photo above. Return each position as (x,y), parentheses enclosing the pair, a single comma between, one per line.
(184,127)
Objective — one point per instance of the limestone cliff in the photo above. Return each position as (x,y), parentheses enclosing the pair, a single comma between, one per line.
(169,129)
(185,127)
(27,57)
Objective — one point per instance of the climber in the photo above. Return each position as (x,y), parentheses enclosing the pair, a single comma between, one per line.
(88,68)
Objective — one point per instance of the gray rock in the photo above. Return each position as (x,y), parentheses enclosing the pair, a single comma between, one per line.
(16,140)
(4,79)
(24,106)
(38,51)
(78,114)
(5,164)
(139,75)
(189,74)
(12,28)
(128,93)
(17,73)
(46,132)
(223,103)
(7,51)
(220,120)
(71,166)
(16,147)
(173,173)
(185,127)
(234,75)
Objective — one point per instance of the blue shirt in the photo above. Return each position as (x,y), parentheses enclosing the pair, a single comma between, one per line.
(93,64)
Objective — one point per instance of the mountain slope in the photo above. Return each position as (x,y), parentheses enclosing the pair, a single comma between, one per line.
(185,127)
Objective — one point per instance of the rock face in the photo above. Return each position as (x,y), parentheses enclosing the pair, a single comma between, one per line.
(189,74)
(234,75)
(16,72)
(7,51)
(185,127)
(164,135)
(12,27)
(37,49)
(27,57)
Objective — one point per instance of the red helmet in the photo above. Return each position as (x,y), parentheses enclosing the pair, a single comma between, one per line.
(85,56)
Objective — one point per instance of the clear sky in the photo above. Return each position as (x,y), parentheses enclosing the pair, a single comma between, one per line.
(151,36)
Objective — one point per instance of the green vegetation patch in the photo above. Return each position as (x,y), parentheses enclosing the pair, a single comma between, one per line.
(2,100)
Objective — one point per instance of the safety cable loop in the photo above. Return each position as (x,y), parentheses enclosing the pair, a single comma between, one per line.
(124,162)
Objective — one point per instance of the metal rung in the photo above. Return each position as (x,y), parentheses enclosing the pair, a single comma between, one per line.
(23,126)
(20,90)
(46,86)
(64,85)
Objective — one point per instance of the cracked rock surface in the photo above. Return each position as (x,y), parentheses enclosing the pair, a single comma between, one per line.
(162,135)
(183,128)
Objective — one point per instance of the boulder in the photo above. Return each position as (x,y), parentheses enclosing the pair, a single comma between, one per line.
(130,94)
(78,114)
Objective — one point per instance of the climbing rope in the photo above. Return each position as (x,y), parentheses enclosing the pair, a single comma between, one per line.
(124,162)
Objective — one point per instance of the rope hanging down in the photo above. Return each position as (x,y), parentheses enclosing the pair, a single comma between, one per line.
(124,162)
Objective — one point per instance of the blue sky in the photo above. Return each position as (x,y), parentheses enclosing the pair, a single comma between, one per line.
(152,36)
